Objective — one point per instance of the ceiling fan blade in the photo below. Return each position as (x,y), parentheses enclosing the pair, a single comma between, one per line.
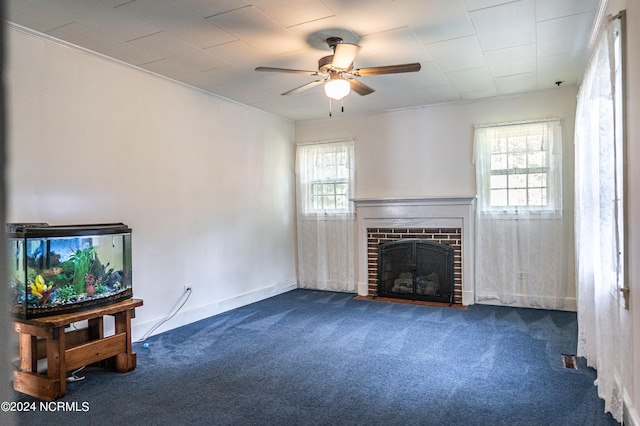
(388,69)
(303,87)
(360,88)
(344,55)
(269,69)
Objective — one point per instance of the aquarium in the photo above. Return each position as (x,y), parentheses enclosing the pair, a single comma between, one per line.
(62,269)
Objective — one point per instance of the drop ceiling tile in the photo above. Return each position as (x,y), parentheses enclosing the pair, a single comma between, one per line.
(391,47)
(172,48)
(36,15)
(257,29)
(291,13)
(429,76)
(209,78)
(458,54)
(520,83)
(365,17)
(439,94)
(513,60)
(208,8)
(168,68)
(564,35)
(90,39)
(471,80)
(178,21)
(239,54)
(566,68)
(482,4)
(507,25)
(551,9)
(479,94)
(106,19)
(435,20)
(249,92)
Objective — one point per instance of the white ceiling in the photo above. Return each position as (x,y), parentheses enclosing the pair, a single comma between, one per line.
(469,49)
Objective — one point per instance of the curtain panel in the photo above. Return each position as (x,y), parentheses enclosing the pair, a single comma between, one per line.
(520,229)
(597,224)
(325,215)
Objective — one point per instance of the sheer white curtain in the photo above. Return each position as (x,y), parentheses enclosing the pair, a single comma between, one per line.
(520,231)
(326,223)
(597,229)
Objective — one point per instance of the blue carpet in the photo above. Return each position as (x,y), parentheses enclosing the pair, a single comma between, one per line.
(318,358)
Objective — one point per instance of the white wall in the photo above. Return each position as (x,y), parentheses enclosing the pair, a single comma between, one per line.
(427,152)
(205,184)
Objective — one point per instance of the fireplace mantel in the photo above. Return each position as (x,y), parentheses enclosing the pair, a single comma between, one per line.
(418,212)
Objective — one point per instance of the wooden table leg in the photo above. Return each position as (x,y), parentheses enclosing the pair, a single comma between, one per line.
(28,353)
(56,363)
(125,361)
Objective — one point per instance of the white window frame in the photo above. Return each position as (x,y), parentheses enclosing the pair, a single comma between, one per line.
(325,165)
(535,166)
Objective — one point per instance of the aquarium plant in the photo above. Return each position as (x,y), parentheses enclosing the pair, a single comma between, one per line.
(82,260)
(65,293)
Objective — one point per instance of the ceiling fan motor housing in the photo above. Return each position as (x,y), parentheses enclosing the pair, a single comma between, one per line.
(333,42)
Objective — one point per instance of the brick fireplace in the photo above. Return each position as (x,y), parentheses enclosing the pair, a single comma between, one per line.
(451,237)
(445,220)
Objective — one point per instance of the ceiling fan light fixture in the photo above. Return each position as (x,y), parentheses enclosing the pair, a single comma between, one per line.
(337,88)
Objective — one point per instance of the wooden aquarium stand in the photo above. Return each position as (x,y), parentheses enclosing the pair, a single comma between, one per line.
(67,351)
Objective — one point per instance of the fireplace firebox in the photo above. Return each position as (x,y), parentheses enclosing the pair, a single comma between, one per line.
(417,270)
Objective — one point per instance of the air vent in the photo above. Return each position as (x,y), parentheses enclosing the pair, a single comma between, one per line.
(569,361)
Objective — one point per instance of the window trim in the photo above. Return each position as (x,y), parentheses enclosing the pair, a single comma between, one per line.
(553,168)
(305,193)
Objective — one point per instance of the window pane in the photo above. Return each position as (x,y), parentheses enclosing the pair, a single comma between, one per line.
(327,188)
(535,143)
(317,203)
(499,146)
(341,202)
(537,159)
(341,188)
(537,180)
(499,197)
(499,162)
(518,181)
(536,197)
(518,197)
(329,202)
(498,182)
(518,161)
(518,144)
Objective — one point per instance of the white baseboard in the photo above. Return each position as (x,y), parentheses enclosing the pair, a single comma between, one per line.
(201,312)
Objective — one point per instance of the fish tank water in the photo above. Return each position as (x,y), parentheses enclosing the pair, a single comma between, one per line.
(66,268)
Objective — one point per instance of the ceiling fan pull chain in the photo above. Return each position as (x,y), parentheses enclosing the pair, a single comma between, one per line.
(330,108)
(342,102)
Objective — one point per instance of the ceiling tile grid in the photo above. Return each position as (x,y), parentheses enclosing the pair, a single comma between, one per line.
(468,49)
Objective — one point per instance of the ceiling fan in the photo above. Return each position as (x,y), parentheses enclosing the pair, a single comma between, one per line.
(338,74)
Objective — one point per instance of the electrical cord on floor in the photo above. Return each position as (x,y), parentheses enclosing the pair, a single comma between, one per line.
(168,317)
(75,378)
